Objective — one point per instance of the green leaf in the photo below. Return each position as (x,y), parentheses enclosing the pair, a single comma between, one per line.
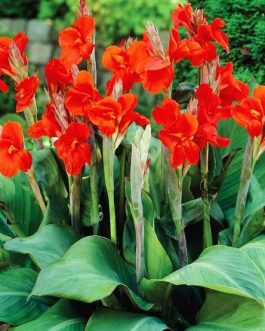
(46,246)
(50,179)
(184,92)
(92,265)
(226,312)
(221,268)
(112,320)
(61,316)
(19,203)
(15,287)
(256,251)
(253,226)
(157,262)
(229,188)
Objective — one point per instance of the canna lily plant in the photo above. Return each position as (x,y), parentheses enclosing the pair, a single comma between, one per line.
(114,220)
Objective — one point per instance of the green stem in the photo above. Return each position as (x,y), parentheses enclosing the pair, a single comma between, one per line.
(75,192)
(174,191)
(108,161)
(207,232)
(94,191)
(139,253)
(122,190)
(245,179)
(36,190)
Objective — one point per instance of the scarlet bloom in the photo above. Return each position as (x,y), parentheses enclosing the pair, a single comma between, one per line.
(250,113)
(73,148)
(3,86)
(25,92)
(13,156)
(153,66)
(190,49)
(231,89)
(199,46)
(47,126)
(81,97)
(117,60)
(178,133)
(167,113)
(76,42)
(209,113)
(113,116)
(57,75)
(20,41)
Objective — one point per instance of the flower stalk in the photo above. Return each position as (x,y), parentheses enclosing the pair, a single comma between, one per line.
(207,232)
(36,189)
(174,191)
(94,190)
(108,161)
(75,191)
(140,147)
(245,179)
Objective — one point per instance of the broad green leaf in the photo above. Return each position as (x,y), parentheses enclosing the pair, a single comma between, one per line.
(226,312)
(50,179)
(228,192)
(47,245)
(19,203)
(220,268)
(92,265)
(113,320)
(15,286)
(256,251)
(157,262)
(253,226)
(61,316)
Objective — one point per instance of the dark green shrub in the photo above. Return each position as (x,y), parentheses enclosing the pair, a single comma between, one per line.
(245,29)
(19,8)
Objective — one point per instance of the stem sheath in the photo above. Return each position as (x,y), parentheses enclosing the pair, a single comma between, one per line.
(75,192)
(207,232)
(108,161)
(36,190)
(245,179)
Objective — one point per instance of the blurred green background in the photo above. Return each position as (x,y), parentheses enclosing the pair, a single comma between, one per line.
(118,19)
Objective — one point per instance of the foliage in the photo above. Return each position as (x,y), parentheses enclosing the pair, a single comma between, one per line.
(127,18)
(19,8)
(104,231)
(245,27)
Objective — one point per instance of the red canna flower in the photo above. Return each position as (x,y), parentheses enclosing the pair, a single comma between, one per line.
(57,75)
(81,97)
(3,86)
(20,41)
(167,113)
(179,139)
(231,89)
(73,148)
(250,113)
(189,49)
(115,116)
(151,63)
(199,47)
(209,113)
(13,156)
(117,60)
(76,42)
(26,90)
(208,133)
(178,133)
(47,126)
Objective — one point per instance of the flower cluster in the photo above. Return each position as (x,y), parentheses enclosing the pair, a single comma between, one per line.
(76,110)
